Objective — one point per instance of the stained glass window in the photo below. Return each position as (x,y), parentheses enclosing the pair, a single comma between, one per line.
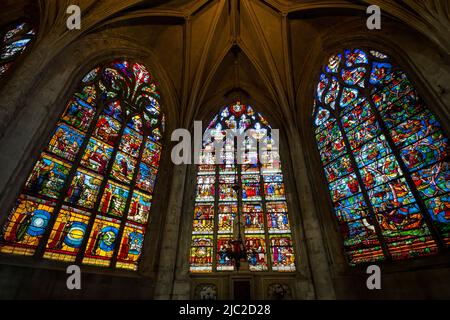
(385,157)
(251,191)
(89,196)
(14,41)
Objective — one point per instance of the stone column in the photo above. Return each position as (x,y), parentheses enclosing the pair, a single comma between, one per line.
(170,241)
(313,234)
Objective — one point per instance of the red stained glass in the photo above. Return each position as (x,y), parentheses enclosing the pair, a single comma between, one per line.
(387,130)
(99,169)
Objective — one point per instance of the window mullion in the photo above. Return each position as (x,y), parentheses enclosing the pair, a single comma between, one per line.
(361,182)
(101,190)
(406,174)
(73,170)
(262,191)
(238,182)
(132,188)
(214,251)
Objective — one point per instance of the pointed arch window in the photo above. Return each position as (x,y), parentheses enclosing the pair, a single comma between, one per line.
(260,200)
(385,156)
(14,41)
(88,198)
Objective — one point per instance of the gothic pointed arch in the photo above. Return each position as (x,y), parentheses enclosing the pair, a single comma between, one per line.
(385,157)
(89,197)
(251,192)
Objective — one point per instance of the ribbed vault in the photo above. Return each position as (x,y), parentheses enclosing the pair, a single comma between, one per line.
(192,39)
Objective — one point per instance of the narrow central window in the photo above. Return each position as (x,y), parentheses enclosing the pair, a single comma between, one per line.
(252,193)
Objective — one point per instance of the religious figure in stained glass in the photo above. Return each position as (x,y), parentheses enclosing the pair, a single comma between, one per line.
(385,156)
(259,203)
(88,197)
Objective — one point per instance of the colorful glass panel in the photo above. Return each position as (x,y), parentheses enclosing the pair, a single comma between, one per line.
(393,149)
(131,246)
(256,252)
(102,242)
(203,219)
(439,209)
(14,41)
(67,234)
(66,142)
(201,258)
(96,156)
(26,225)
(89,197)
(253,218)
(243,200)
(283,258)
(48,177)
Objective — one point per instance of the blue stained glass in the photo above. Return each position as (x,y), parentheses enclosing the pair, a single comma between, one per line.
(379,172)
(323,117)
(414,129)
(260,183)
(73,173)
(327,137)
(79,114)
(333,150)
(425,152)
(17,29)
(403,223)
(17,38)
(273,178)
(372,151)
(321,87)
(339,168)
(433,181)
(360,112)
(66,142)
(87,96)
(403,109)
(381,73)
(333,63)
(96,156)
(91,76)
(357,231)
(344,188)
(417,137)
(363,133)
(48,177)
(354,77)
(355,57)
(391,195)
(114,110)
(14,49)
(349,95)
(352,208)
(124,67)
(332,93)
(397,88)
(439,209)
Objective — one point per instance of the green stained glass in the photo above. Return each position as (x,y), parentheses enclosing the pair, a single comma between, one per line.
(252,192)
(89,195)
(386,129)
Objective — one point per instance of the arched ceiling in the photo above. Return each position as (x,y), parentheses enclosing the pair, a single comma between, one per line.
(15,9)
(197,41)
